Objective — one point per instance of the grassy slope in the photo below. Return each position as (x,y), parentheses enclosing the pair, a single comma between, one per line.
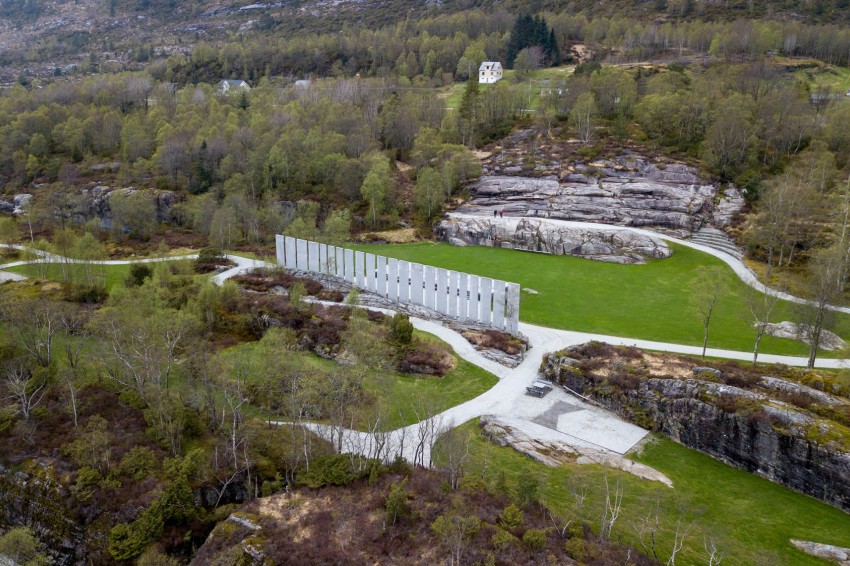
(400,393)
(642,301)
(110,274)
(454,92)
(751,518)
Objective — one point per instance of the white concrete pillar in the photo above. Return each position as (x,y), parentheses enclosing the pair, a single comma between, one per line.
(463,296)
(280,252)
(499,304)
(313,263)
(453,294)
(512,308)
(404,281)
(485,315)
(369,266)
(331,267)
(442,291)
(392,278)
(417,273)
(429,279)
(381,275)
(301,256)
(349,267)
(474,297)
(291,253)
(360,269)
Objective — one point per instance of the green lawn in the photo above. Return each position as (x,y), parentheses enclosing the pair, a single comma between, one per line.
(533,84)
(647,301)
(751,519)
(402,394)
(110,275)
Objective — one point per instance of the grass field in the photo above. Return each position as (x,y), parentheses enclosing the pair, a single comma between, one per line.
(110,275)
(647,301)
(454,92)
(751,519)
(398,393)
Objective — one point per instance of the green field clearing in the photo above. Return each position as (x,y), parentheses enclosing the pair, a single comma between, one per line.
(647,301)
(751,519)
(454,92)
(110,275)
(825,77)
(399,394)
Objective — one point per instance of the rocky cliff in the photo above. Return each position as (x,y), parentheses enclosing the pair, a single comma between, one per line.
(616,246)
(629,190)
(782,430)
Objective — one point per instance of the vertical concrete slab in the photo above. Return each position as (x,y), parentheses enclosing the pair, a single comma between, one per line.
(291,253)
(486,313)
(474,297)
(499,304)
(453,293)
(392,279)
(512,308)
(463,295)
(369,266)
(331,261)
(429,286)
(323,258)
(442,291)
(381,276)
(340,262)
(349,267)
(280,254)
(417,273)
(360,269)
(313,263)
(301,256)
(403,281)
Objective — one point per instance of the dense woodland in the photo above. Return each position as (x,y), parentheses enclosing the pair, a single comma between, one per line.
(122,393)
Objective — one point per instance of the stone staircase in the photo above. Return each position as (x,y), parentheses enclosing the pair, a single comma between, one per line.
(717,239)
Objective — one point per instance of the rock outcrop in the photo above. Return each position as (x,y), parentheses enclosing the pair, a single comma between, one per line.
(617,246)
(629,190)
(762,428)
(793,331)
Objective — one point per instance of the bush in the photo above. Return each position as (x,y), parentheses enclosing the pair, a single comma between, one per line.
(401,329)
(576,548)
(396,505)
(88,294)
(139,462)
(502,539)
(534,539)
(511,517)
(334,469)
(138,273)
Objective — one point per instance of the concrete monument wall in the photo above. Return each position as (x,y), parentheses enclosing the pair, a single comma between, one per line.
(459,295)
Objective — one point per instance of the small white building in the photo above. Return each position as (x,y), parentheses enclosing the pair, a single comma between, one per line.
(489,72)
(230,86)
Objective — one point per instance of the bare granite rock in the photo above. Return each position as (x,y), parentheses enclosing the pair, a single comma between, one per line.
(616,246)
(793,331)
(825,551)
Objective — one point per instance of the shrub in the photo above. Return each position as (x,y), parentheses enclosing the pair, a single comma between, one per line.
(396,505)
(576,548)
(511,517)
(138,273)
(334,469)
(401,329)
(502,539)
(88,294)
(534,539)
(139,462)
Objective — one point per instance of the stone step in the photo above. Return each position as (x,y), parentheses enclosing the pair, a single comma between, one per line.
(717,239)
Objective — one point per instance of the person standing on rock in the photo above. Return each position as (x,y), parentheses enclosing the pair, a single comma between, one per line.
(501,214)
(495,212)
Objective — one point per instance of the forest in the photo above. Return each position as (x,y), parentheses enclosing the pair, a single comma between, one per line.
(139,385)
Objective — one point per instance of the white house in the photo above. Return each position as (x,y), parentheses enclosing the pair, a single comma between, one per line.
(489,72)
(229,86)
